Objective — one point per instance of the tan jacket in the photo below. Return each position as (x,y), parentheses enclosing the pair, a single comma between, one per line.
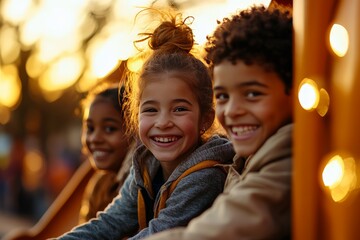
(256,203)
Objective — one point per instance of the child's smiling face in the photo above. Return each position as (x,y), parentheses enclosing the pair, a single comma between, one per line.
(251,104)
(104,135)
(169,119)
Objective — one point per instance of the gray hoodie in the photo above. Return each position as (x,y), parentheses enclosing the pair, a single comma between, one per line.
(192,195)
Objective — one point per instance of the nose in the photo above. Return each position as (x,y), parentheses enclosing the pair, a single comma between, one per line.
(95,137)
(164,120)
(234,107)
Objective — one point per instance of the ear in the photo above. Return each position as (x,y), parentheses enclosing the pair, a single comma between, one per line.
(207,120)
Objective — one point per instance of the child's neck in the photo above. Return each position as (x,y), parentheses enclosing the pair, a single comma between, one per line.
(169,166)
(167,170)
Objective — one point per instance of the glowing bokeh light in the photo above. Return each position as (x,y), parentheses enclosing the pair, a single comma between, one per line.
(87,81)
(58,23)
(52,96)
(10,48)
(33,162)
(333,172)
(62,74)
(15,11)
(10,86)
(104,57)
(30,31)
(324,102)
(308,94)
(34,67)
(135,64)
(339,177)
(33,167)
(205,21)
(243,4)
(128,9)
(339,40)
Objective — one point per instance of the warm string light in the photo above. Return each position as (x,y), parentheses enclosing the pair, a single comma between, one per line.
(339,40)
(339,176)
(312,98)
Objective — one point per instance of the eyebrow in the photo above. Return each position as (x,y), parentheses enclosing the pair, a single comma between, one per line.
(177,100)
(111,120)
(107,119)
(245,84)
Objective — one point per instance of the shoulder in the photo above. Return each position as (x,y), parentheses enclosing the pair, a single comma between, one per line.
(277,147)
(218,148)
(204,176)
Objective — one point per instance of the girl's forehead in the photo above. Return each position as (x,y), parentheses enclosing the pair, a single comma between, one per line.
(168,78)
(100,99)
(167,88)
(165,75)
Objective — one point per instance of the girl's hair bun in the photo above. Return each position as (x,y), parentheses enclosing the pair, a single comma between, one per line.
(173,34)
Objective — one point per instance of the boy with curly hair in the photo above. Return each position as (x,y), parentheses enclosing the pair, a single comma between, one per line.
(250,55)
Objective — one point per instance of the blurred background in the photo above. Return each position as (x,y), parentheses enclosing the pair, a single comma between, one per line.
(51,53)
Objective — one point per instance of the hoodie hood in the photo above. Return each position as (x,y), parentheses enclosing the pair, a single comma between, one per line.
(216,148)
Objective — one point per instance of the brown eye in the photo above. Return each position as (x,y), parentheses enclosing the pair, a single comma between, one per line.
(89,128)
(110,129)
(180,109)
(221,97)
(253,94)
(148,110)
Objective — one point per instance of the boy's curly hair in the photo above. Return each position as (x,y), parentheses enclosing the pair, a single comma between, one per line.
(255,36)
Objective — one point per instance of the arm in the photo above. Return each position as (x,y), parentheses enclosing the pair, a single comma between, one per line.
(193,195)
(117,220)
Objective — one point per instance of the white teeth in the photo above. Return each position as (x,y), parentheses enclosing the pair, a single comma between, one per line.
(98,154)
(243,130)
(165,139)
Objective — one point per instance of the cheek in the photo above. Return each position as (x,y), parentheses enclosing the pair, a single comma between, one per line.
(143,129)
(122,142)
(219,112)
(272,115)
(190,127)
(264,112)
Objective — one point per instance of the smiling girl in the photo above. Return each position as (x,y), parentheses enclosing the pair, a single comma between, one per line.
(107,146)
(174,176)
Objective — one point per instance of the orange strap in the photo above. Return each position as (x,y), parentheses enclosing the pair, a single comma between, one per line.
(141,202)
(165,195)
(141,211)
